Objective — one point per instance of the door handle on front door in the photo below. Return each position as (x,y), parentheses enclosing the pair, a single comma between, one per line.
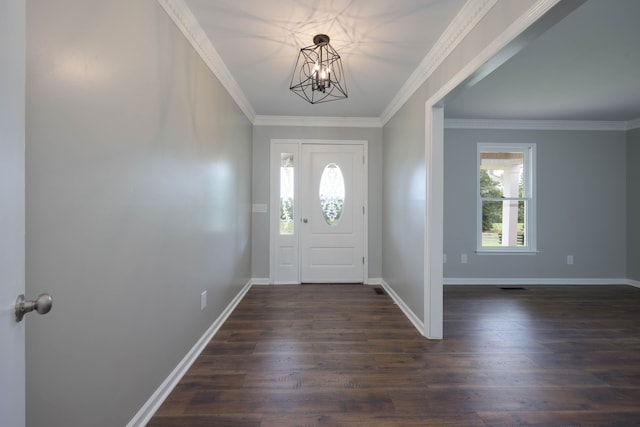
(305,220)
(42,305)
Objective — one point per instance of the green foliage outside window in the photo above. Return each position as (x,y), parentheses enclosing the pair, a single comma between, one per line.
(491,211)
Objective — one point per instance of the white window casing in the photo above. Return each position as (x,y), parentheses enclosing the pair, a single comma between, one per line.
(513,164)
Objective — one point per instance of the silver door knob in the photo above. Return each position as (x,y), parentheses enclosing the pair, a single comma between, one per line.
(305,220)
(42,305)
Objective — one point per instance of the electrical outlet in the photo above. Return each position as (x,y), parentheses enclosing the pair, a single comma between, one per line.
(203,300)
(569,259)
(463,258)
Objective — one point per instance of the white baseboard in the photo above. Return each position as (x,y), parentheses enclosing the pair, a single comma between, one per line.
(532,281)
(633,283)
(265,281)
(158,397)
(417,323)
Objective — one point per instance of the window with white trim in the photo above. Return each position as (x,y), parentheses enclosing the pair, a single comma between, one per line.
(506,198)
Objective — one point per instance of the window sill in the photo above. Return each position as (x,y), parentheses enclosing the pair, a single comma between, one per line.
(506,252)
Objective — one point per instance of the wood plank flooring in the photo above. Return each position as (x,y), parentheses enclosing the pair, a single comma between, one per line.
(342,355)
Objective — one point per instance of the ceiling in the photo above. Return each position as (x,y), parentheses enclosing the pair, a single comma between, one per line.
(586,67)
(381,43)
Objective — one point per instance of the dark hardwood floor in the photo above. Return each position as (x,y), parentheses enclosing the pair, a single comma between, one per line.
(334,355)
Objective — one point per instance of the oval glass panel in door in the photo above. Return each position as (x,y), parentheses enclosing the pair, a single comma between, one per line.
(332,193)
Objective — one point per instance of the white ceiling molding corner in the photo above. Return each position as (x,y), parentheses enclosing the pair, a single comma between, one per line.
(182,16)
(633,124)
(468,17)
(536,124)
(318,121)
(492,49)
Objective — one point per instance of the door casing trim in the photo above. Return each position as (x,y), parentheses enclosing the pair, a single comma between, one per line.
(273,198)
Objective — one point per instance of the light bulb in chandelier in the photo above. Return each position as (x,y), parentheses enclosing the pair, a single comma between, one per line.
(318,75)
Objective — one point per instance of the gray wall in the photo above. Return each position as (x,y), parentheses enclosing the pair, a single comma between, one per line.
(12,138)
(581,205)
(633,205)
(138,199)
(262,136)
(404,165)
(404,207)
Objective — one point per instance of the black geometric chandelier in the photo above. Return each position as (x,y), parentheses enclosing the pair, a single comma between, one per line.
(318,76)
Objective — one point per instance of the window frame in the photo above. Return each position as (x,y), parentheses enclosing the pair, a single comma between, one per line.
(293,172)
(529,197)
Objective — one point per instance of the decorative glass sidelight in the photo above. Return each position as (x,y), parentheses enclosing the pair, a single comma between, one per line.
(286,193)
(332,193)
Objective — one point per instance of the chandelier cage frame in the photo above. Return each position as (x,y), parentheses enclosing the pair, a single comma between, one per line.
(318,75)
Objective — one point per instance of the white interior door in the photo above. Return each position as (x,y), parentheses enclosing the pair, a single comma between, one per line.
(332,212)
(12,205)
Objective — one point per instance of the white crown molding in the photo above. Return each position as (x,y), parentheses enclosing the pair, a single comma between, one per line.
(180,13)
(494,47)
(466,19)
(533,281)
(633,124)
(537,124)
(353,122)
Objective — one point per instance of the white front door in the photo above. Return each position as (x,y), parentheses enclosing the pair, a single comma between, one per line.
(332,212)
(318,216)
(12,206)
